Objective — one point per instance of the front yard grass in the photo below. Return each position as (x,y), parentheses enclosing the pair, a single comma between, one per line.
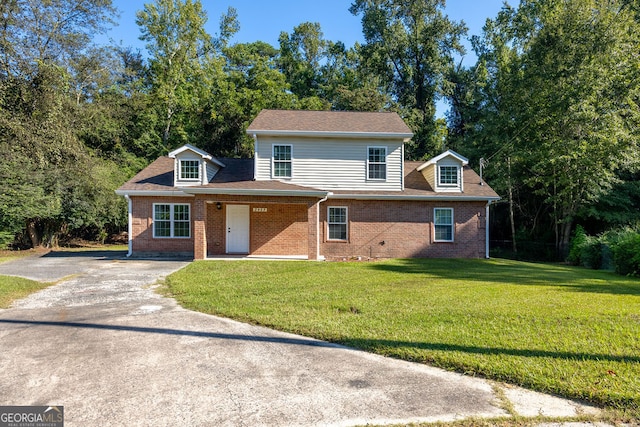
(552,328)
(14,288)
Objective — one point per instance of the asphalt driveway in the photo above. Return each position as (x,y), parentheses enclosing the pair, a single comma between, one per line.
(112,351)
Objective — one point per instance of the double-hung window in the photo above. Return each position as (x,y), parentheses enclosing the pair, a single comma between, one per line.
(337,223)
(443,224)
(377,163)
(190,170)
(448,176)
(171,220)
(282,161)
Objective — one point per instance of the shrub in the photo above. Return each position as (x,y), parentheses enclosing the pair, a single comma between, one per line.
(587,251)
(577,244)
(626,255)
(6,238)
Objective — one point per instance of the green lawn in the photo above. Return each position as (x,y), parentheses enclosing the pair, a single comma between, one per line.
(553,328)
(13,288)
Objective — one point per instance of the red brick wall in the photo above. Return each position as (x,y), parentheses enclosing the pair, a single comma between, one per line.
(281,230)
(142,232)
(386,229)
(404,229)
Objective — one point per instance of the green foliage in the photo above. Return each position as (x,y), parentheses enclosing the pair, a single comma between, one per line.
(578,243)
(626,255)
(409,47)
(549,327)
(617,249)
(53,31)
(552,103)
(178,46)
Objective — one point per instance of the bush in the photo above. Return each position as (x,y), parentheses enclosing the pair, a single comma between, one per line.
(626,255)
(6,238)
(587,251)
(577,244)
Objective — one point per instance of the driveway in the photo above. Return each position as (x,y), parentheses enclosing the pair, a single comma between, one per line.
(103,344)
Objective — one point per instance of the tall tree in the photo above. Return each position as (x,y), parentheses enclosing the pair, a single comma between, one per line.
(52,31)
(409,45)
(560,97)
(301,53)
(178,44)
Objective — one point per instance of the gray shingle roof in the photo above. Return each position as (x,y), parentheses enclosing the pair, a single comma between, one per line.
(328,121)
(238,174)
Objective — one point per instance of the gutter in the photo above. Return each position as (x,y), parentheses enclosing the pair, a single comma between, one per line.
(439,198)
(256,192)
(157,193)
(129,225)
(486,229)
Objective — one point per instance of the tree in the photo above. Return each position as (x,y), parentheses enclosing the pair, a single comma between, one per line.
(177,44)
(52,31)
(561,89)
(409,46)
(300,56)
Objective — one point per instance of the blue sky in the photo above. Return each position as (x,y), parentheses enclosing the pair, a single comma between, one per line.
(264,20)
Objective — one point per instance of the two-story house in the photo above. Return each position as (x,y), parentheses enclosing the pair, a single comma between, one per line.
(322,184)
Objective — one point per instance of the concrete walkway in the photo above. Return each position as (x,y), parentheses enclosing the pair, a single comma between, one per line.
(113,352)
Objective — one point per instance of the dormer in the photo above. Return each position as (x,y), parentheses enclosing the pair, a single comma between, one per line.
(193,166)
(444,172)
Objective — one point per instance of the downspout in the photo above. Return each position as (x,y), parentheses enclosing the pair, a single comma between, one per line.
(255,156)
(129,225)
(486,230)
(318,222)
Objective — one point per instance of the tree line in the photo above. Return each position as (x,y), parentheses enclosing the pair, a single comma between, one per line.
(550,106)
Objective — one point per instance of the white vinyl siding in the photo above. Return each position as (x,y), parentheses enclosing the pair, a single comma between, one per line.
(171,220)
(331,163)
(443,224)
(337,223)
(212,170)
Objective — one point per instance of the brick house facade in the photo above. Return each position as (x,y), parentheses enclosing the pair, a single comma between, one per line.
(373,204)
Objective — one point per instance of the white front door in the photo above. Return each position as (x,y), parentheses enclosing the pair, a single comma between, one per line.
(237,229)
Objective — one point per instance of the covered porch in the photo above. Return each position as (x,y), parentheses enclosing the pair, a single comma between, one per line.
(228,226)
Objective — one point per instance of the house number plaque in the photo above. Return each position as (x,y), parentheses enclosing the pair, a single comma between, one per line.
(259,209)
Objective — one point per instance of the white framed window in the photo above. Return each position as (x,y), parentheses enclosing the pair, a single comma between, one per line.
(337,223)
(377,163)
(448,176)
(282,165)
(443,224)
(189,170)
(171,220)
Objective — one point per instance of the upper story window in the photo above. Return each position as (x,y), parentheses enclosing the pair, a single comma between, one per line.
(282,161)
(190,170)
(448,176)
(171,220)
(377,163)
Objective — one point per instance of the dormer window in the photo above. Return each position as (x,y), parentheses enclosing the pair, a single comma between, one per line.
(448,176)
(190,170)
(444,173)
